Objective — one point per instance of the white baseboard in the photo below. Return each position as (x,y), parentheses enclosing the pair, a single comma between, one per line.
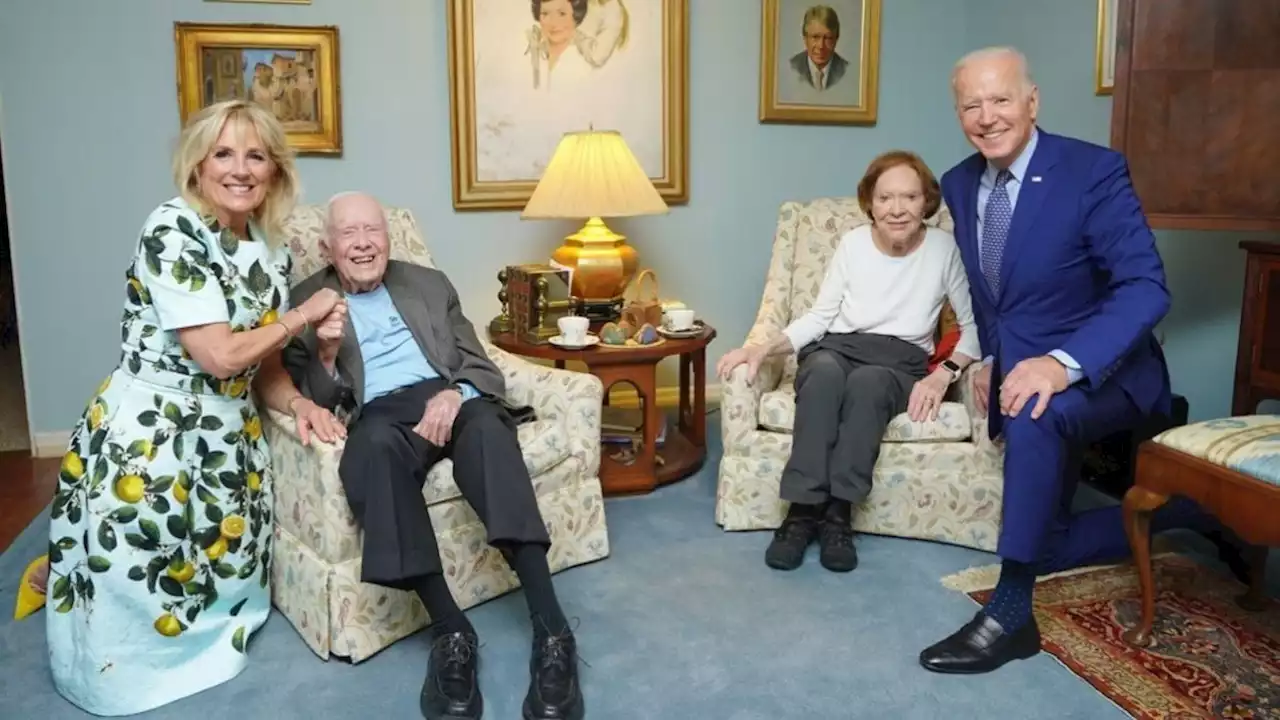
(50,444)
(54,444)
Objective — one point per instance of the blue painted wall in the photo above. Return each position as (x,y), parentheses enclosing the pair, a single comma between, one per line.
(87,131)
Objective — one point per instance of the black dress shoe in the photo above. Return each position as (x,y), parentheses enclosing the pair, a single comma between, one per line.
(554,692)
(981,646)
(790,541)
(452,688)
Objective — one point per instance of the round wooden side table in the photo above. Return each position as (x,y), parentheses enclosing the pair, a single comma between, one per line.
(684,449)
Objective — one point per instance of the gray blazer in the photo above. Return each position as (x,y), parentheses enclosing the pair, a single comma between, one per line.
(429,305)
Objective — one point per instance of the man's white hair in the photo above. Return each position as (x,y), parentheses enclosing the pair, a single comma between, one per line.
(328,206)
(995,52)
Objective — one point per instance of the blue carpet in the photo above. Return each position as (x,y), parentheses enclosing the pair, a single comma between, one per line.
(682,621)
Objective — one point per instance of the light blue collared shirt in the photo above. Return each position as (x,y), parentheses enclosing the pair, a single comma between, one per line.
(987,183)
(392,358)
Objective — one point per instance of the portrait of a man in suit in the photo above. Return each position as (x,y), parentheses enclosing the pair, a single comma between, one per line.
(819,65)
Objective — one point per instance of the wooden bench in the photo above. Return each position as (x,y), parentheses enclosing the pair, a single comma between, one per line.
(1231,467)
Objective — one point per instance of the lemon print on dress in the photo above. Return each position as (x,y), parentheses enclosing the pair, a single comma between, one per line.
(269,317)
(232,526)
(97,414)
(217,549)
(182,571)
(168,625)
(253,481)
(129,488)
(181,489)
(253,428)
(73,465)
(235,388)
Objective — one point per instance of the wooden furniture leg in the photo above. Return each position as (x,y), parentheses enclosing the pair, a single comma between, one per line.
(1139,503)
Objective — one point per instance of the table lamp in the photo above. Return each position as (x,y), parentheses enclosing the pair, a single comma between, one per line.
(594,175)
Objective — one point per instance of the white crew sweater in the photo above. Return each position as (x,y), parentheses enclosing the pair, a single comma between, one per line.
(868,291)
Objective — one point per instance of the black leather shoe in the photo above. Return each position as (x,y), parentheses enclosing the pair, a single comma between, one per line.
(554,692)
(981,646)
(452,688)
(790,541)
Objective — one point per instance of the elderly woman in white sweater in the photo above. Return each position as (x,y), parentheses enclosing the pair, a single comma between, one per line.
(864,350)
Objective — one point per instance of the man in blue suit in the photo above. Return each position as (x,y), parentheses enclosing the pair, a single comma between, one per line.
(1067,287)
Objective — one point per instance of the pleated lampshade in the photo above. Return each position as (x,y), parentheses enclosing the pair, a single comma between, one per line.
(593,174)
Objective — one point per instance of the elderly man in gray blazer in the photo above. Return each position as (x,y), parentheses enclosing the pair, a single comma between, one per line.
(403,366)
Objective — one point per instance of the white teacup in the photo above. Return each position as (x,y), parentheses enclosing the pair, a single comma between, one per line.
(679,319)
(573,329)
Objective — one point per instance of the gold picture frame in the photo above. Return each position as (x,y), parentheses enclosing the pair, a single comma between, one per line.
(293,70)
(1105,48)
(632,77)
(794,88)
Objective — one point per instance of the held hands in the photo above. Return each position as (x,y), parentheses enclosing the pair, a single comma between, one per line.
(926,396)
(752,355)
(329,332)
(436,425)
(310,418)
(318,306)
(1040,377)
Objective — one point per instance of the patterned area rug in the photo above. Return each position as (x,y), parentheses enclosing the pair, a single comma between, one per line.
(1209,659)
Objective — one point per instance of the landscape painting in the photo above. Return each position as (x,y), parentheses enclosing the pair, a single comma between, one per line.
(291,71)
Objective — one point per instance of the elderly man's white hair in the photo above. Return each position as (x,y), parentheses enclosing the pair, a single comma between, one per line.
(997,52)
(328,206)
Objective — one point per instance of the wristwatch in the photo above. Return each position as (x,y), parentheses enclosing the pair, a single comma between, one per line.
(951,367)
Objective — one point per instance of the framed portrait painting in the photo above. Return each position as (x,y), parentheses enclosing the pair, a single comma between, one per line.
(522,74)
(820,63)
(293,71)
(1106,47)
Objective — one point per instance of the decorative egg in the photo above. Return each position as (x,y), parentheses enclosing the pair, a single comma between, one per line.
(648,334)
(611,334)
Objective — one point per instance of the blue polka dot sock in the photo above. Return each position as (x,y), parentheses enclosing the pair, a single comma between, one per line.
(1010,604)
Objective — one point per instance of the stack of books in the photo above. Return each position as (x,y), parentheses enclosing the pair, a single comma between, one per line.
(622,426)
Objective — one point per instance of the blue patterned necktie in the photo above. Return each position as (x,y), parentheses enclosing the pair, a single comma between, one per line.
(995,230)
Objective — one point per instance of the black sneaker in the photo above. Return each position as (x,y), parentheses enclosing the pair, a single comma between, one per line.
(835,542)
(790,541)
(554,691)
(835,538)
(451,690)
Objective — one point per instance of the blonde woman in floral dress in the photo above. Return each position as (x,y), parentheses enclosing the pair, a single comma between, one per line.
(160,538)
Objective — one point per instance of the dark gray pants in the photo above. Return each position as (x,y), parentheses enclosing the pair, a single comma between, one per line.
(848,387)
(385,464)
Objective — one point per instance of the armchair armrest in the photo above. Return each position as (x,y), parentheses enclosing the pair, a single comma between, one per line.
(573,398)
(309,500)
(740,401)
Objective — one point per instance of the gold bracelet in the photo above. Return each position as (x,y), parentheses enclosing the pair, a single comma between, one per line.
(293,400)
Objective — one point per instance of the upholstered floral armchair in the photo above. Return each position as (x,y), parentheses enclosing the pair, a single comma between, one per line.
(316,554)
(939,480)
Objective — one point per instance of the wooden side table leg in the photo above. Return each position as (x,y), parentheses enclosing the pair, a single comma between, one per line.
(698,430)
(684,413)
(1255,600)
(1139,503)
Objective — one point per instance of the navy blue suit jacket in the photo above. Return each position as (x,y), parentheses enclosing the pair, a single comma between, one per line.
(1080,272)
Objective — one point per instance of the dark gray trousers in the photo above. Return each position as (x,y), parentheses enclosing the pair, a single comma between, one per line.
(385,464)
(848,387)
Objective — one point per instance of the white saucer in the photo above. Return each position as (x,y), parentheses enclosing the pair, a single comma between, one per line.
(559,342)
(694,331)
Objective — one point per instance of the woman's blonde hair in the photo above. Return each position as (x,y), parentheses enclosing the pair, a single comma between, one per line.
(198,139)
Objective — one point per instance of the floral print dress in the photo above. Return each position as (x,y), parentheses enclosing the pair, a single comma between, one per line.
(161,524)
